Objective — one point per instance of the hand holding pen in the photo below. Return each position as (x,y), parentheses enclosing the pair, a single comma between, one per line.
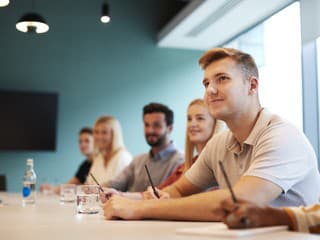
(151,183)
(149,194)
(106,195)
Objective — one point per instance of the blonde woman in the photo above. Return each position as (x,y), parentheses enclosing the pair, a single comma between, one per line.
(111,156)
(201,126)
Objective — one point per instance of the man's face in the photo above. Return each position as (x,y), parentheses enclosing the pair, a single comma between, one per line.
(226,90)
(86,143)
(156,130)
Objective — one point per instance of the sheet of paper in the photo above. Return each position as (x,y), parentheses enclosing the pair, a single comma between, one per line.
(221,230)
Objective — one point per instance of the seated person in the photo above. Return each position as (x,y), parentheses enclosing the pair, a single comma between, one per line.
(86,148)
(302,219)
(162,159)
(268,160)
(201,126)
(111,155)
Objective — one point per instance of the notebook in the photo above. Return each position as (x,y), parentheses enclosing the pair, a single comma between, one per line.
(221,230)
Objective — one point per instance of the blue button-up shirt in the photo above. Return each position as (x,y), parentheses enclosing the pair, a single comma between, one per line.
(161,165)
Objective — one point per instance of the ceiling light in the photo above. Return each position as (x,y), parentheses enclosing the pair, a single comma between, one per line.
(105,17)
(4,3)
(32,23)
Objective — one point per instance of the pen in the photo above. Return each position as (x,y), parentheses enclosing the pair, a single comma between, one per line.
(228,182)
(150,180)
(245,221)
(101,189)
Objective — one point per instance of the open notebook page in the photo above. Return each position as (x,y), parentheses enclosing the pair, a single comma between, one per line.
(221,230)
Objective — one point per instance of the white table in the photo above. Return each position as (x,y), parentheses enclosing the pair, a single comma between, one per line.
(49,219)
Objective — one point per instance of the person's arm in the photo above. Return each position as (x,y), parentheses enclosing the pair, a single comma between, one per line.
(82,173)
(182,187)
(244,214)
(301,219)
(198,207)
(187,208)
(265,190)
(74,180)
(109,192)
(305,219)
(256,189)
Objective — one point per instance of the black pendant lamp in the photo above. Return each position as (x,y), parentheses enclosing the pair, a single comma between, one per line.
(105,16)
(4,3)
(32,23)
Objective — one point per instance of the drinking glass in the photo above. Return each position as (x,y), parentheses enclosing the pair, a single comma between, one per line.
(67,193)
(88,199)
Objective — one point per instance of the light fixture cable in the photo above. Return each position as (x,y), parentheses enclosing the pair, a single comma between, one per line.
(105,15)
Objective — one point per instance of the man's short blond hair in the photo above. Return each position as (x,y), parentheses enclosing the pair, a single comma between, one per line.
(244,60)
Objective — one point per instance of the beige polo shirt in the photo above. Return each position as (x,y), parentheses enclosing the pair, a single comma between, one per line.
(275,150)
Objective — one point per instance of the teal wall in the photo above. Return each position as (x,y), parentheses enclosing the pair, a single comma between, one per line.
(96,69)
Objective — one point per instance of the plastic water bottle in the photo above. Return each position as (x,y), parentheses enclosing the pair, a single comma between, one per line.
(29,184)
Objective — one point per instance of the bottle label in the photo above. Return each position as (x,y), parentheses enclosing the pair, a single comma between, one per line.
(26,191)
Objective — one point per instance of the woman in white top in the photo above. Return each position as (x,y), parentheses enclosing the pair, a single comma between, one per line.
(111,155)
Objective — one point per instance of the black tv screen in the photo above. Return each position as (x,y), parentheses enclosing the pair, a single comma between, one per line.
(28,120)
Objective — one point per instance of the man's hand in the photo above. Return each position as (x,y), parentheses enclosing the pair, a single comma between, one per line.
(149,194)
(108,193)
(118,207)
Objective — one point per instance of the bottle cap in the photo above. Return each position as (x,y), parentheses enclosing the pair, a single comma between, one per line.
(30,161)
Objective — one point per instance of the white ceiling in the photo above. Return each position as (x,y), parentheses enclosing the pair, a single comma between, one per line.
(204,24)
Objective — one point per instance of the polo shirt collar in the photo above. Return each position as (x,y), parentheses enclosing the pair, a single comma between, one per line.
(261,123)
(163,153)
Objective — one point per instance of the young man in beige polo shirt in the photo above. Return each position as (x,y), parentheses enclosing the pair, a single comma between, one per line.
(266,158)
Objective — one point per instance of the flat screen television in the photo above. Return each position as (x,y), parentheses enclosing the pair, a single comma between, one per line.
(28,120)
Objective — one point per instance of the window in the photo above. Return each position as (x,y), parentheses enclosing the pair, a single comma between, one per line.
(318,76)
(276,46)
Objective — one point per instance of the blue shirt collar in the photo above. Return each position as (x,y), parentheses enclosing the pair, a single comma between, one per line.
(164,153)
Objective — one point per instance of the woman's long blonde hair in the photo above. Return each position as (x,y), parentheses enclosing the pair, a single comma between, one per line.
(190,147)
(117,138)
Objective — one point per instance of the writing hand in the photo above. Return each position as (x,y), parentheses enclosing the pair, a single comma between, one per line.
(149,194)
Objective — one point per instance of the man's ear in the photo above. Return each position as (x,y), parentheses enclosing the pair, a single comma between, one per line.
(170,128)
(253,85)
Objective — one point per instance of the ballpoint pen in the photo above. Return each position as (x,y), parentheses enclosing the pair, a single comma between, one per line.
(245,221)
(234,199)
(150,180)
(101,189)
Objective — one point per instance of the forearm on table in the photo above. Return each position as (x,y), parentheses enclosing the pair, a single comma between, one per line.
(268,216)
(132,195)
(173,191)
(198,207)
(181,188)
(281,217)
(305,219)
